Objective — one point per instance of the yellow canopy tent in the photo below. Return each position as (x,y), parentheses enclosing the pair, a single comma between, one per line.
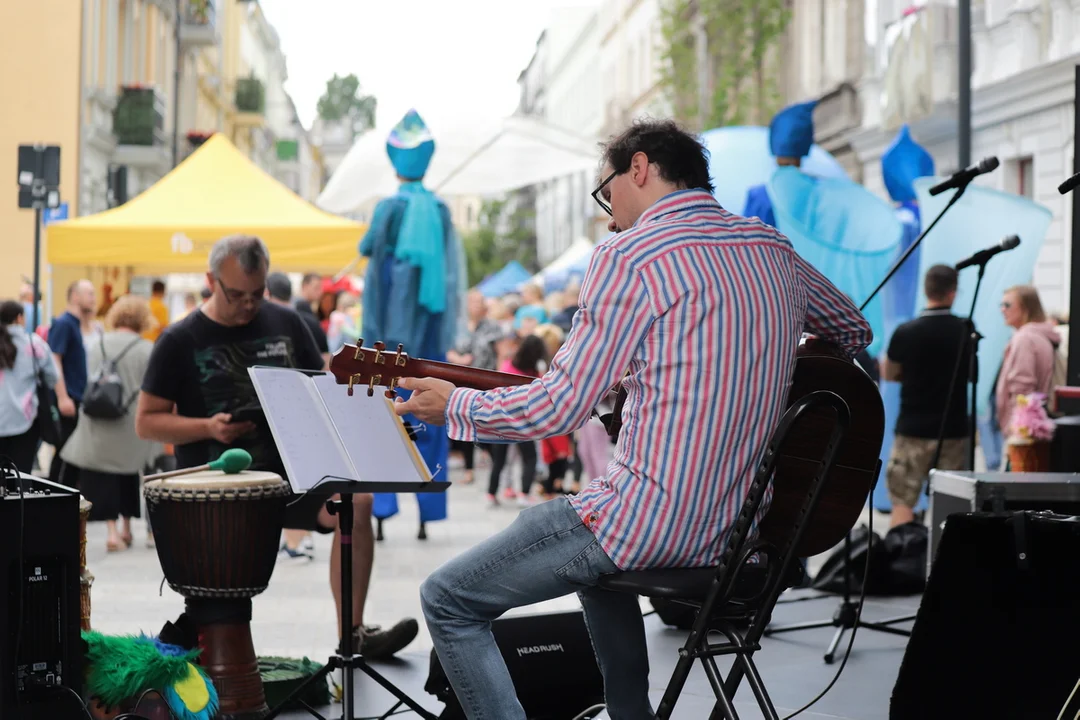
(215,192)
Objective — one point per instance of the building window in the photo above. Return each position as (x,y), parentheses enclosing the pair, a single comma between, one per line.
(1025,178)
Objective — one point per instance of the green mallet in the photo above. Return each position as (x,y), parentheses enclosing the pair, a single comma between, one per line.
(232,461)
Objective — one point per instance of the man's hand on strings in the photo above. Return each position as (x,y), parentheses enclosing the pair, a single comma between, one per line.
(428,400)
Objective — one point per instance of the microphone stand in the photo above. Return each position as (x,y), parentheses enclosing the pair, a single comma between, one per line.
(918,241)
(847,616)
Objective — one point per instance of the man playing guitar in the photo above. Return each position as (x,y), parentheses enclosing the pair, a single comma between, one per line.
(706,309)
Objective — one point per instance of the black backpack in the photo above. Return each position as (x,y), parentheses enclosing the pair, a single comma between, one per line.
(104,396)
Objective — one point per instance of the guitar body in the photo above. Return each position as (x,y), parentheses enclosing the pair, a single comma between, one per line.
(819,366)
(848,486)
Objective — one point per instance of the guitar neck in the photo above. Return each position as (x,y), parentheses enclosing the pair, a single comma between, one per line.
(464,376)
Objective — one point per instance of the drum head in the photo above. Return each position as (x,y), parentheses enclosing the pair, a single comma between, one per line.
(210,480)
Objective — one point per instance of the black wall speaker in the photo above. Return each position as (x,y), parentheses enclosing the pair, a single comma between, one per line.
(551,661)
(997,627)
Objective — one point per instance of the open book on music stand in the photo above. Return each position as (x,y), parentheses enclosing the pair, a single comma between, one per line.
(331,443)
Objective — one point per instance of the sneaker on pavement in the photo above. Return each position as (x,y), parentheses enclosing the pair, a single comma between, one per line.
(296,555)
(377,644)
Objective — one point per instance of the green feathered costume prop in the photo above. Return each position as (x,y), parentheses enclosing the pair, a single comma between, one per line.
(121,668)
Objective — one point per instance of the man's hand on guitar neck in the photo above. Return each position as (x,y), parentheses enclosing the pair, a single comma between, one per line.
(428,400)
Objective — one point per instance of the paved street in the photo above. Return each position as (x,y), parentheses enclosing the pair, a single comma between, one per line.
(295,616)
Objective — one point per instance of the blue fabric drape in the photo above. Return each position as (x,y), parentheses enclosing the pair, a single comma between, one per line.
(843,230)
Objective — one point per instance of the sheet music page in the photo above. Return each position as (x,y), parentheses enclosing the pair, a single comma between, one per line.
(303,432)
(372,434)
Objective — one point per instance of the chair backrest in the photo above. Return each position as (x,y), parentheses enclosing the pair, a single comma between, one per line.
(821,461)
(779,556)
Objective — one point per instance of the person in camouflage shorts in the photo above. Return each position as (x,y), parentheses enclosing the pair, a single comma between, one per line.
(922,355)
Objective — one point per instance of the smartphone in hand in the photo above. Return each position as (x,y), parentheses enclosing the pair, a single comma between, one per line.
(248,414)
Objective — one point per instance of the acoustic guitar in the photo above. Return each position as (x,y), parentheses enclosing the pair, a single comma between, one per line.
(818,366)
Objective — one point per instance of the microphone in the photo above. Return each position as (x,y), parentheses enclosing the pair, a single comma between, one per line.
(963,177)
(983,256)
(1069,185)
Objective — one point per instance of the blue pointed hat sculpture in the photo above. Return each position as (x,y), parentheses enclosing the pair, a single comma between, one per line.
(902,162)
(410,146)
(791,132)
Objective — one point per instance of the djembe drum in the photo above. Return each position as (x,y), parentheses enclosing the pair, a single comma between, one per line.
(217,539)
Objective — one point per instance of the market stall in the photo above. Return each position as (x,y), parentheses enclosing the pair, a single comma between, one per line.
(217,191)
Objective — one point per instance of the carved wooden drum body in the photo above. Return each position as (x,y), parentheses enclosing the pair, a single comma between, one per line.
(217,539)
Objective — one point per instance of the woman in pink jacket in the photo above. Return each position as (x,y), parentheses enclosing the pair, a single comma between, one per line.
(1028,365)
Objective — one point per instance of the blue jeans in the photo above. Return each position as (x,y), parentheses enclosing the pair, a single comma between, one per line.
(546,553)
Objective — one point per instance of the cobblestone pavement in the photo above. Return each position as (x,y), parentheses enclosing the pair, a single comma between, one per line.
(295,616)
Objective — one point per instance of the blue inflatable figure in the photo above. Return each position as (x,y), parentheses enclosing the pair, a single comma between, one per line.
(791,134)
(413,289)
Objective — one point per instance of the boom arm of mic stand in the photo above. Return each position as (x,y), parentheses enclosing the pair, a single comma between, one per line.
(918,241)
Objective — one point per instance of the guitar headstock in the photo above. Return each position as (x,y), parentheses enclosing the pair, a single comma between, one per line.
(358,365)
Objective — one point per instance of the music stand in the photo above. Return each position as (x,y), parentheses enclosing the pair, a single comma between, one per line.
(294,399)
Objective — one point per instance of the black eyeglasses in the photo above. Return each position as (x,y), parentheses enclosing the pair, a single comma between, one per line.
(236,296)
(596,194)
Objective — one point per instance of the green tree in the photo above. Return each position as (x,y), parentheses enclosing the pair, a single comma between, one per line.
(737,41)
(343,101)
(505,233)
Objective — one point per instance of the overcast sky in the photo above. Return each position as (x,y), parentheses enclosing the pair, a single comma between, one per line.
(446,58)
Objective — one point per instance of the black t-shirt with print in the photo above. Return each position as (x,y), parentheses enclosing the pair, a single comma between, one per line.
(202,367)
(926,349)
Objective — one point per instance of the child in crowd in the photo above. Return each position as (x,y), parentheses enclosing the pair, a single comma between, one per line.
(526,361)
(556,452)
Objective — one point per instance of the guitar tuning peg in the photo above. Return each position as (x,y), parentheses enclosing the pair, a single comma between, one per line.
(375,380)
(379,347)
(359,355)
(398,359)
(352,380)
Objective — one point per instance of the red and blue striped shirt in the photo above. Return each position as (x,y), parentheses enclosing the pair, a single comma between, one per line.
(706,310)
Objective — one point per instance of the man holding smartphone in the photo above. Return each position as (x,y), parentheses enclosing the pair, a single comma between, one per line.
(197,395)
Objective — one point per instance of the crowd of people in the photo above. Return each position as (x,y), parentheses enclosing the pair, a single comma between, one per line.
(520,333)
(517,333)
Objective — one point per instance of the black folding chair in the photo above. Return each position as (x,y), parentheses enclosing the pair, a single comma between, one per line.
(736,598)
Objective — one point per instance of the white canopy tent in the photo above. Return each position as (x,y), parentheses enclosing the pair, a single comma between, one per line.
(477,158)
(574,259)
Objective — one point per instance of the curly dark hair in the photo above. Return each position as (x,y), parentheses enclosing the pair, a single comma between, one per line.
(681,157)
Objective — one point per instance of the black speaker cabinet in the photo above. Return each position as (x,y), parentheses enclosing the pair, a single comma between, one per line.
(551,661)
(997,629)
(43,629)
(964,491)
